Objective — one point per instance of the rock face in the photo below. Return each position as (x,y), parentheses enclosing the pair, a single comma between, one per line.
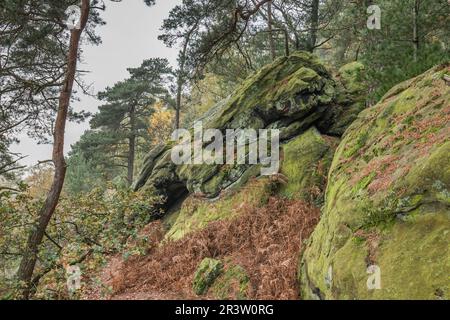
(207,272)
(388,201)
(295,94)
(306,160)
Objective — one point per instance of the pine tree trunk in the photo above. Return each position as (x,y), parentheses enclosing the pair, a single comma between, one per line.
(180,82)
(416,29)
(29,258)
(314,25)
(178,102)
(270,25)
(132,145)
(182,74)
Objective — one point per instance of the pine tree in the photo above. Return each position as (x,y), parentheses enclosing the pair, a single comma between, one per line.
(414,36)
(123,121)
(33,49)
(36,235)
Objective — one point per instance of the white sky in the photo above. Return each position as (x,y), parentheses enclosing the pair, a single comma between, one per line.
(128,38)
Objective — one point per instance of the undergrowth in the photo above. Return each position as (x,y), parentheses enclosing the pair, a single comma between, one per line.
(266,242)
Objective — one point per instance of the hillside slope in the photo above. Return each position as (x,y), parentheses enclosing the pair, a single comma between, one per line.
(226,232)
(252,227)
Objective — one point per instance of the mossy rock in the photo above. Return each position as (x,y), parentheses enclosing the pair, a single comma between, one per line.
(292,94)
(351,94)
(306,161)
(387,201)
(196,213)
(233,284)
(352,75)
(207,272)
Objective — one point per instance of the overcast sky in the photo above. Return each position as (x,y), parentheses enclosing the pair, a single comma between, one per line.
(129,37)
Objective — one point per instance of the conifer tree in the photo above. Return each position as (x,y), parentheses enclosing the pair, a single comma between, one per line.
(123,121)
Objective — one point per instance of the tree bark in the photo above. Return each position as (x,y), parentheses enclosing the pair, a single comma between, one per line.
(270,26)
(416,29)
(181,74)
(178,102)
(314,25)
(132,145)
(180,82)
(35,237)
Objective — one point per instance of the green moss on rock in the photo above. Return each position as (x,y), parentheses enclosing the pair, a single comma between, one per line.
(352,75)
(197,213)
(389,178)
(207,272)
(232,284)
(292,94)
(350,96)
(306,160)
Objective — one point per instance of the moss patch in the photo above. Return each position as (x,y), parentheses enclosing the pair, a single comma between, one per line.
(232,284)
(207,272)
(390,176)
(306,160)
(197,213)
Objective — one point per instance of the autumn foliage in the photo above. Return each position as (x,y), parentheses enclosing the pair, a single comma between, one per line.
(265,241)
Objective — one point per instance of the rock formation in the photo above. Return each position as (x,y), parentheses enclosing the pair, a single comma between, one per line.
(294,94)
(387,210)
(385,226)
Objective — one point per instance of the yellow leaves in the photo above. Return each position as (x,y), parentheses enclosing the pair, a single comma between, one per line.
(160,124)
(40,181)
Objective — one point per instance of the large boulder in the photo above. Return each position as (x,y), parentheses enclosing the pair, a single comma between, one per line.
(385,226)
(351,96)
(294,94)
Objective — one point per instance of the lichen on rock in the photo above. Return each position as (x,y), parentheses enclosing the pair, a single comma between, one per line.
(207,272)
(387,200)
(196,213)
(306,160)
(297,95)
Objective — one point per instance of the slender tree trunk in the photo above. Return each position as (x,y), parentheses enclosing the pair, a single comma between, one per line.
(178,102)
(29,257)
(132,145)
(286,42)
(314,25)
(180,81)
(297,42)
(182,74)
(416,29)
(270,25)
